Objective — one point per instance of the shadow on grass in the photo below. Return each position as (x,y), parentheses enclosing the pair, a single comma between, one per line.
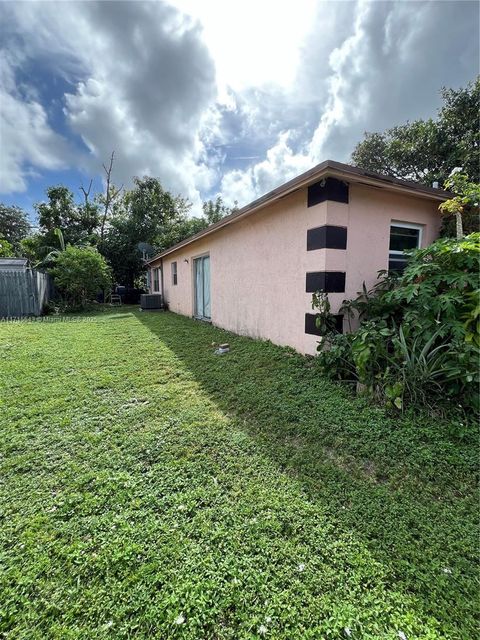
(402,485)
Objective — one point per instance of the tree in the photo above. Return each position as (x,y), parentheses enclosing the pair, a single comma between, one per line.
(59,211)
(179,230)
(151,207)
(88,213)
(182,227)
(428,150)
(77,222)
(33,247)
(14,225)
(52,255)
(6,249)
(80,273)
(111,195)
(463,208)
(215,210)
(120,248)
(460,124)
(142,215)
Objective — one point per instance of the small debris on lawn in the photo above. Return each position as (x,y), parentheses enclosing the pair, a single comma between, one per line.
(222,348)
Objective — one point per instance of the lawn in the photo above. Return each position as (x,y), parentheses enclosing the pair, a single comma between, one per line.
(152,489)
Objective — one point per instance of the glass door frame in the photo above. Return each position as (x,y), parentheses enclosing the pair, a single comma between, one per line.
(195,261)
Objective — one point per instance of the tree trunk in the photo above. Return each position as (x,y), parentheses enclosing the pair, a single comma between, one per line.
(459,224)
(111,194)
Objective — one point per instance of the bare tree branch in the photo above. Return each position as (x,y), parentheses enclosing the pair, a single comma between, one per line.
(86,192)
(111,194)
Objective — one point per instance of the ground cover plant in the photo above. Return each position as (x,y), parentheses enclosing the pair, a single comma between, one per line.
(152,489)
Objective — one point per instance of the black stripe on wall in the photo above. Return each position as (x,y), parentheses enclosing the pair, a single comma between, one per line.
(312,329)
(328,281)
(327,189)
(327,237)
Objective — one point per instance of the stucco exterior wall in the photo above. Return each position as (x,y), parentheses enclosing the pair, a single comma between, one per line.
(368,217)
(259,264)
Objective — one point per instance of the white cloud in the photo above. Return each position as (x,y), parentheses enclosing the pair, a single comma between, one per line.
(147,87)
(184,97)
(253,42)
(26,139)
(280,165)
(375,64)
(238,187)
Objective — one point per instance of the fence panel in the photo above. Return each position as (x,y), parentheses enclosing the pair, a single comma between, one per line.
(23,293)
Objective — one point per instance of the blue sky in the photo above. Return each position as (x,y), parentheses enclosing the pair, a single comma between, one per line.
(231,98)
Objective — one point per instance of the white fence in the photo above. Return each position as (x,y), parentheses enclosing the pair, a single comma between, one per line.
(23,293)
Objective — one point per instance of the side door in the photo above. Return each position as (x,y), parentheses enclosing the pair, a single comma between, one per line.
(202,301)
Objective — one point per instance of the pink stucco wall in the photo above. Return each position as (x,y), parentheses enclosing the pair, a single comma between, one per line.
(368,217)
(258,264)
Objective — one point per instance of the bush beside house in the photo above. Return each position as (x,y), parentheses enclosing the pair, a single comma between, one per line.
(419,336)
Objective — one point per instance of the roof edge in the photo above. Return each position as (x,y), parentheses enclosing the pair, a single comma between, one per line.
(328,167)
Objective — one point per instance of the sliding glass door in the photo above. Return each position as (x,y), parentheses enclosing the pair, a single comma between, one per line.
(201,268)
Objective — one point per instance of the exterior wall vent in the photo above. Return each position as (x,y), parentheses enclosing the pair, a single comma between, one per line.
(327,237)
(327,189)
(311,324)
(328,281)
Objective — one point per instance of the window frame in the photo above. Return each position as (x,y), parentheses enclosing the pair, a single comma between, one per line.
(399,256)
(174,273)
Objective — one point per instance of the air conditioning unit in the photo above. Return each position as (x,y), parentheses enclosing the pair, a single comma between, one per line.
(151,301)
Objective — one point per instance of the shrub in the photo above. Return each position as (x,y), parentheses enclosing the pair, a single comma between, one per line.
(6,249)
(79,274)
(439,286)
(419,336)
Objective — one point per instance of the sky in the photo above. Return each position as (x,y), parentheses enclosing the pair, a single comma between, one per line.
(214,97)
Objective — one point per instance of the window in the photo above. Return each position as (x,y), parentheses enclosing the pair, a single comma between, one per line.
(174,273)
(403,236)
(156,279)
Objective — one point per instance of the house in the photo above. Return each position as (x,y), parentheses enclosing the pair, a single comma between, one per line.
(331,228)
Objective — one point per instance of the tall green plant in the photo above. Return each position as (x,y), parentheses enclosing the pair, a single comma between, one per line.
(80,273)
(53,252)
(419,336)
(464,204)
(435,289)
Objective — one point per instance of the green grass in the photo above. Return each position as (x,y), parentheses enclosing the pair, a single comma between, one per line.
(151,489)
